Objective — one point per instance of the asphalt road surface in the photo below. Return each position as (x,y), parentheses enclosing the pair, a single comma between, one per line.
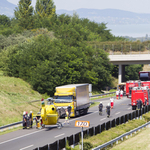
(28,139)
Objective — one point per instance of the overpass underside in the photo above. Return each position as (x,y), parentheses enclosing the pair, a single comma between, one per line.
(123,60)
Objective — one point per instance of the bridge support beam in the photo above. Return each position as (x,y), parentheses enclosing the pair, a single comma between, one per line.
(121,73)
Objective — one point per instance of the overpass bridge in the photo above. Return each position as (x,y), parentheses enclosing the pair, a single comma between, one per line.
(128,59)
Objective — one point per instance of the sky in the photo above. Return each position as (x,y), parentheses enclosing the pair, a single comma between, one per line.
(138,6)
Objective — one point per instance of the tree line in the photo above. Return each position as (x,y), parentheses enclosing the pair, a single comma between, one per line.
(47,50)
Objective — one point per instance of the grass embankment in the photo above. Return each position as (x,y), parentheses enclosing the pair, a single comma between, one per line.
(14,97)
(105,136)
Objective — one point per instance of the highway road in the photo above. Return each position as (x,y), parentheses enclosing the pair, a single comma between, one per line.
(28,139)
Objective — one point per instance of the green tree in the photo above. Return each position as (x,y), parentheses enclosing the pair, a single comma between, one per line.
(24,14)
(45,8)
(4,20)
(132,72)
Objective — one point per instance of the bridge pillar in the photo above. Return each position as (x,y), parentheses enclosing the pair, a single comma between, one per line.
(121,73)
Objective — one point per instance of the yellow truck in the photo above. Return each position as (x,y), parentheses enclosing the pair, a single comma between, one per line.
(74,95)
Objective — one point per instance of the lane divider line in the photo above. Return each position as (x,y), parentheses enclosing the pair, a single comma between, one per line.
(26,147)
(117,113)
(103,119)
(19,137)
(59,135)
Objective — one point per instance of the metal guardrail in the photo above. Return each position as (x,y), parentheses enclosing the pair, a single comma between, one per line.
(102,94)
(20,122)
(120,137)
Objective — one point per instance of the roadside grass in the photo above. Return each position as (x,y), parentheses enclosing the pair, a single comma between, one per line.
(100,97)
(15,95)
(94,104)
(138,141)
(112,133)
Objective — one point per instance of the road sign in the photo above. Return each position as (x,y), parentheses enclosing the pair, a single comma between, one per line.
(79,123)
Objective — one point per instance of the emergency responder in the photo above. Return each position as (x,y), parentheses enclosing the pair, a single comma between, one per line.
(138,104)
(121,93)
(67,117)
(69,111)
(100,108)
(112,102)
(108,110)
(117,94)
(141,104)
(31,119)
(145,102)
(24,120)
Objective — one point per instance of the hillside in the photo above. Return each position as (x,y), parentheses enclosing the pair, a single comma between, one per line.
(14,97)
(110,16)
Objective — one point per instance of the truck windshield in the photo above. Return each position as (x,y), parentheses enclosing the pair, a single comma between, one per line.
(63,99)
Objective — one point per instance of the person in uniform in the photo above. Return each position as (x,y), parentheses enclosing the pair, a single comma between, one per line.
(24,120)
(66,117)
(138,104)
(100,108)
(69,111)
(121,93)
(117,94)
(112,102)
(108,108)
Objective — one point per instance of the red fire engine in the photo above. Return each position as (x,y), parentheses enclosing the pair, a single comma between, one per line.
(141,93)
(129,86)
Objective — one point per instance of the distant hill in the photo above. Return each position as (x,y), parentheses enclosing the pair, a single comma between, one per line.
(111,16)
(7,8)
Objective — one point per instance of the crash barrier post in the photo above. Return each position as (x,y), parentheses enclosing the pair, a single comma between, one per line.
(108,125)
(143,112)
(85,133)
(62,143)
(126,117)
(148,107)
(137,113)
(91,131)
(77,137)
(102,127)
(117,121)
(70,140)
(140,112)
(113,124)
(122,119)
(44,147)
(130,116)
(53,146)
(97,129)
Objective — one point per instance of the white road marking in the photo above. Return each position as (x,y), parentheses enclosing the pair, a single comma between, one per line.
(26,147)
(117,113)
(19,137)
(129,108)
(103,119)
(59,135)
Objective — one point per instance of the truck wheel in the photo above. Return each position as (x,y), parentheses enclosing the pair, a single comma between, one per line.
(85,111)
